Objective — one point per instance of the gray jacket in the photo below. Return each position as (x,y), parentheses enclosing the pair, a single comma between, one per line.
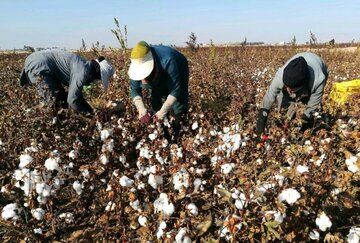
(63,68)
(318,77)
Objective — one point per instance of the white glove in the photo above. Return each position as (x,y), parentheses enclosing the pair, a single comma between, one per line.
(169,102)
(139,103)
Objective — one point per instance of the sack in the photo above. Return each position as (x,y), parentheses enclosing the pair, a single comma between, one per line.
(342,91)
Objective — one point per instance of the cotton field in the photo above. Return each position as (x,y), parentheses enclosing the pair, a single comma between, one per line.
(72,178)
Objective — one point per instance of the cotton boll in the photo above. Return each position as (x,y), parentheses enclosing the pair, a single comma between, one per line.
(314,235)
(25,159)
(126,181)
(77,187)
(351,164)
(38,231)
(136,205)
(302,169)
(73,154)
(181,180)
(163,205)
(69,217)
(354,235)
(193,209)
(289,195)
(155,180)
(323,222)
(152,136)
(142,220)
(110,206)
(180,235)
(227,168)
(195,125)
(105,134)
(104,159)
(38,213)
(10,211)
(160,231)
(52,164)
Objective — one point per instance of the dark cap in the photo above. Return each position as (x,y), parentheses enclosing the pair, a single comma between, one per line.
(296,73)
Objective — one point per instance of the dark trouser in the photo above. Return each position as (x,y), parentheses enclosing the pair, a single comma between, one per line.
(50,90)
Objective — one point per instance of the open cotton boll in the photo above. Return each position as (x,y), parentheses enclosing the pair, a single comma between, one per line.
(193,209)
(289,195)
(314,235)
(10,211)
(302,169)
(351,164)
(323,222)
(104,159)
(77,187)
(163,205)
(181,180)
(155,180)
(142,220)
(181,236)
(105,134)
(43,189)
(195,125)
(126,181)
(110,206)
(136,205)
(38,213)
(73,154)
(227,168)
(354,235)
(160,231)
(69,217)
(25,159)
(38,231)
(52,164)
(152,136)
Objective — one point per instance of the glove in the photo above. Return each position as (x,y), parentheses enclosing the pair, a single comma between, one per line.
(261,121)
(139,103)
(145,119)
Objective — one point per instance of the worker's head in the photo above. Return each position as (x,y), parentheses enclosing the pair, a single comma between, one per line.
(103,70)
(142,63)
(296,75)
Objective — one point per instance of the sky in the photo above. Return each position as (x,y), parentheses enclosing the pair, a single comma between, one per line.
(63,24)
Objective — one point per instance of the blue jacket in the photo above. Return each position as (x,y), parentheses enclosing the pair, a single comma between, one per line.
(173,78)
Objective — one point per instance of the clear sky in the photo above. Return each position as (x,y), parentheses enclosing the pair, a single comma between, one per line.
(48,23)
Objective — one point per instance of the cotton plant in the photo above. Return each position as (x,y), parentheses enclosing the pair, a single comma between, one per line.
(277,216)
